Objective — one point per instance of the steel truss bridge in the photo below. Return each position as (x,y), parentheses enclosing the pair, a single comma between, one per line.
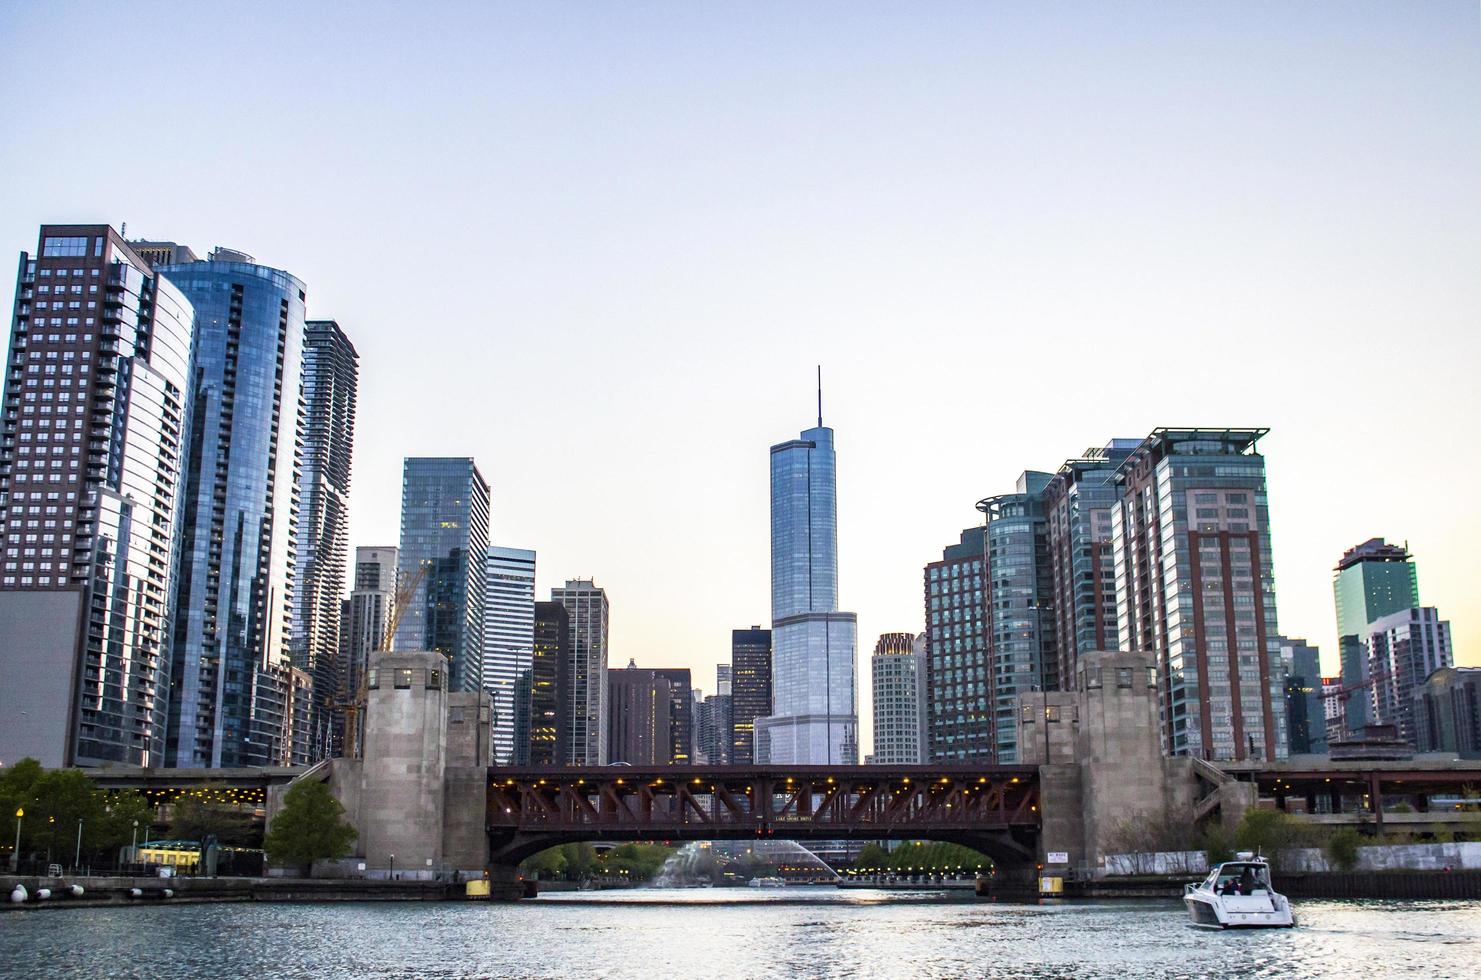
(994,809)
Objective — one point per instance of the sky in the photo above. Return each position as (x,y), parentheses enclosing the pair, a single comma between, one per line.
(602,247)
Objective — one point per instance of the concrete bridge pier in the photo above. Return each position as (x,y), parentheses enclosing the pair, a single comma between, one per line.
(419,796)
(1101,767)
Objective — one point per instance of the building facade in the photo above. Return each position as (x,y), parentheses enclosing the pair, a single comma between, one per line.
(1373,580)
(750,690)
(681,714)
(1306,720)
(1447,712)
(550,665)
(584,696)
(367,613)
(813,644)
(233,687)
(1020,597)
(899,700)
(508,645)
(1402,650)
(1195,586)
(1077,509)
(97,399)
(330,387)
(640,725)
(958,660)
(444,540)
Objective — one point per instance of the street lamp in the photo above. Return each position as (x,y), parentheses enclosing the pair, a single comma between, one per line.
(15,855)
(393,867)
(134,846)
(77,856)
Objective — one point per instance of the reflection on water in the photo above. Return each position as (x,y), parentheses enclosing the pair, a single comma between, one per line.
(782,933)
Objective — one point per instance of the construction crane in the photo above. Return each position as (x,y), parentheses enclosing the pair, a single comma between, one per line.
(353,708)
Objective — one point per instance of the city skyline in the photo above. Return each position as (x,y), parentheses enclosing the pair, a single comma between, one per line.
(1325,275)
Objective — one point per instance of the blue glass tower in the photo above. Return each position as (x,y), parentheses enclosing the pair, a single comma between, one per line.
(813,718)
(445,534)
(233,690)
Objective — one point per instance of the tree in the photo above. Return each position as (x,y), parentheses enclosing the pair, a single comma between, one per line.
(1269,832)
(548,865)
(309,828)
(1341,848)
(58,801)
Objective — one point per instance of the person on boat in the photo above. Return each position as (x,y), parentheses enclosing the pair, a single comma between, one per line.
(1247,881)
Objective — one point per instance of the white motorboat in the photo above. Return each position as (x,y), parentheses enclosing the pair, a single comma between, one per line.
(767,883)
(1238,894)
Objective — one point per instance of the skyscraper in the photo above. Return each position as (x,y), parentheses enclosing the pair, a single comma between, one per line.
(1447,712)
(368,613)
(1194,585)
(550,666)
(958,657)
(91,467)
(898,700)
(233,683)
(681,714)
(813,644)
(445,538)
(508,643)
(1306,727)
(330,380)
(712,743)
(1403,649)
(750,690)
(584,696)
(1373,580)
(1077,511)
(640,726)
(1021,627)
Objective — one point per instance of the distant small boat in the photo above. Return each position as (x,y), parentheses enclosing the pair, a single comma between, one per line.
(767,883)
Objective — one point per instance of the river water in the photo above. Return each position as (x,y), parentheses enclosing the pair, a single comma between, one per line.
(708,933)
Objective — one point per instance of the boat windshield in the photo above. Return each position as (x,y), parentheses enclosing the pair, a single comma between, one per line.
(1239,879)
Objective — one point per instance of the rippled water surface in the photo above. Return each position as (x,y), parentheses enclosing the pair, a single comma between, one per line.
(791,933)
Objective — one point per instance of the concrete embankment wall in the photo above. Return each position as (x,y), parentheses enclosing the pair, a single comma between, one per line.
(1325,884)
(117,891)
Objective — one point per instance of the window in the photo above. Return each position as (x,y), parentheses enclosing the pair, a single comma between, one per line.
(64,246)
(402,677)
(1123,677)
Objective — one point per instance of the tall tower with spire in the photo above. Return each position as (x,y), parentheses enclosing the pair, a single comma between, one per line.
(813,719)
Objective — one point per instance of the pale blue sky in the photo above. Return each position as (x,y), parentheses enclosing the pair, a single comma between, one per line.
(601,247)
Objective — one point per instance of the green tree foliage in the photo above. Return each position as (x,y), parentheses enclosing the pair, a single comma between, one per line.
(1268,833)
(548,865)
(59,801)
(923,857)
(1217,843)
(309,828)
(635,862)
(1341,848)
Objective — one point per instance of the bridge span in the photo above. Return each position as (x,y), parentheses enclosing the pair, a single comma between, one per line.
(994,809)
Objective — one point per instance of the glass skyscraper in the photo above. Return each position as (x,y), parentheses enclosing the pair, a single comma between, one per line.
(95,419)
(508,645)
(1021,631)
(1373,580)
(330,381)
(445,538)
(813,716)
(234,690)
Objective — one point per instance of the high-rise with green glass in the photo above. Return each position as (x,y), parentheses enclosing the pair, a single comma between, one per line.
(1373,580)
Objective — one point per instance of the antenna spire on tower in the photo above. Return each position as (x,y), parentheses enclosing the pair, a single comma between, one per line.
(820,396)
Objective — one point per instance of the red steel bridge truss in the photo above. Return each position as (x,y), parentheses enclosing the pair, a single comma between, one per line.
(992,808)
